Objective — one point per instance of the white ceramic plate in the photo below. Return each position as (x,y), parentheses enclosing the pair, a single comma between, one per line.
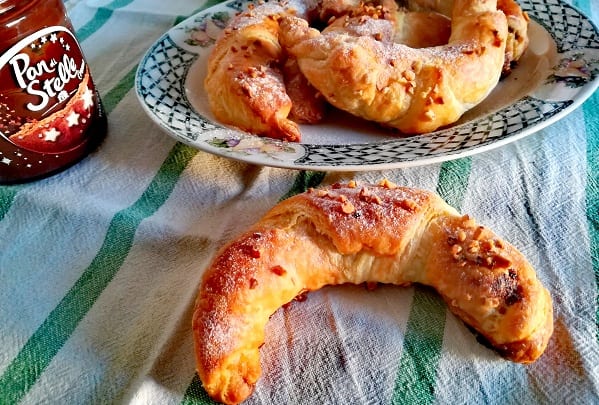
(557,73)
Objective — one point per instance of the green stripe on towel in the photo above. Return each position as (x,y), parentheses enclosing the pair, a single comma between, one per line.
(303,182)
(417,372)
(113,97)
(8,193)
(7,196)
(102,15)
(49,338)
(590,109)
(196,394)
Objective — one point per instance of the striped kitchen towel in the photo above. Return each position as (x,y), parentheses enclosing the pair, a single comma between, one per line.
(100,264)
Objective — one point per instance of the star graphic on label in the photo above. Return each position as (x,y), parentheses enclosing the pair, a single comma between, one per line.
(67,47)
(43,40)
(5,160)
(88,98)
(53,38)
(51,135)
(73,119)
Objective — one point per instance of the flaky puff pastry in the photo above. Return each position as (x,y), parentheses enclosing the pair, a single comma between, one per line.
(517,21)
(351,233)
(413,90)
(245,82)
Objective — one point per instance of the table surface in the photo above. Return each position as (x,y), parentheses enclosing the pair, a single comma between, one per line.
(100,264)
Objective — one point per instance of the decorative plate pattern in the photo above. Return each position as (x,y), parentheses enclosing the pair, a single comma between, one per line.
(564,47)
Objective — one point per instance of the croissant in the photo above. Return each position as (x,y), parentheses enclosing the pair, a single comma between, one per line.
(517,21)
(413,90)
(350,233)
(245,81)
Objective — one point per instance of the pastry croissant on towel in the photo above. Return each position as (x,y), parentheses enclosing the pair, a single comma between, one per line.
(354,233)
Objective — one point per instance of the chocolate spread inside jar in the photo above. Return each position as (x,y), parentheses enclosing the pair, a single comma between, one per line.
(51,115)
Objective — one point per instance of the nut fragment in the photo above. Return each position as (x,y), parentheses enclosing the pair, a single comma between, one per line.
(387,184)
(468,222)
(278,270)
(347,207)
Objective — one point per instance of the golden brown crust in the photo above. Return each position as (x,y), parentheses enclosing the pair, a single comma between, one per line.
(253,84)
(307,104)
(517,40)
(244,81)
(413,90)
(517,21)
(357,234)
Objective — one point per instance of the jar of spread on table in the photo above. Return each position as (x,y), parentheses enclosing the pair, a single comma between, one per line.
(51,115)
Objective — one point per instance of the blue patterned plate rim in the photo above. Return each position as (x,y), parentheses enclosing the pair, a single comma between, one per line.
(564,48)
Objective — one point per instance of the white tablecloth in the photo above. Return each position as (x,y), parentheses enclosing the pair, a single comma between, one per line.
(100,264)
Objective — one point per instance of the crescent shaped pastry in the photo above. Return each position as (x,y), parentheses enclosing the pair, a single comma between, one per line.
(245,80)
(413,90)
(350,233)
(517,21)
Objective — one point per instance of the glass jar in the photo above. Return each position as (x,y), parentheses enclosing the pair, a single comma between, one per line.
(51,115)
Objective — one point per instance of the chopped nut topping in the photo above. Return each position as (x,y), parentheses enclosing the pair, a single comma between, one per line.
(364,193)
(473,247)
(252,252)
(417,66)
(409,75)
(253,283)
(478,233)
(278,270)
(409,205)
(456,249)
(461,235)
(347,207)
(468,222)
(352,184)
(387,184)
(488,246)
